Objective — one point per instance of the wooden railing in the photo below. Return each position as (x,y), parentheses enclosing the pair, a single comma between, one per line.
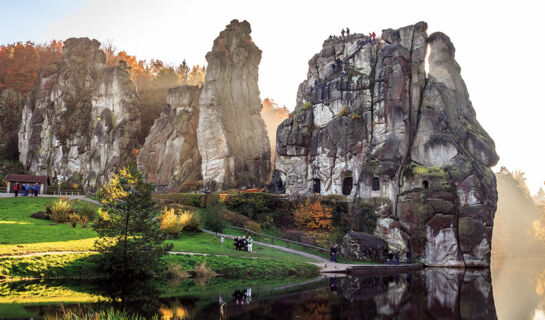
(278,239)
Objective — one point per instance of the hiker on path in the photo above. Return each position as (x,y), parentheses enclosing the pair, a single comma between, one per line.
(396,255)
(333,253)
(36,189)
(16,189)
(409,256)
(250,244)
(342,33)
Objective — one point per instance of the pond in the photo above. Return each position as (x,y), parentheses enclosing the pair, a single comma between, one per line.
(512,289)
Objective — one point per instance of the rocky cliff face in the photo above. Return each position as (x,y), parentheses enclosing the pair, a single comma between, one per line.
(81,121)
(231,134)
(170,155)
(11,106)
(376,128)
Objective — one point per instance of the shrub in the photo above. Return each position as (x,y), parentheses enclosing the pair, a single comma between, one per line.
(212,218)
(193,185)
(236,218)
(61,210)
(176,271)
(171,223)
(307,105)
(312,215)
(293,235)
(203,271)
(251,204)
(86,210)
(253,226)
(212,200)
(344,111)
(355,116)
(190,199)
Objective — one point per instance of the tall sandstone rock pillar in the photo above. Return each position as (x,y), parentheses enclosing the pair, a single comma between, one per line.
(81,121)
(231,134)
(405,145)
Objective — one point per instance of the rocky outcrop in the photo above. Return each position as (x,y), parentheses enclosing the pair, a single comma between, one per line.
(81,121)
(11,106)
(364,247)
(231,134)
(170,155)
(372,125)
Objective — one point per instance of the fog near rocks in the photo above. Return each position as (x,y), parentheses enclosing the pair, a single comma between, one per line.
(518,219)
(273,116)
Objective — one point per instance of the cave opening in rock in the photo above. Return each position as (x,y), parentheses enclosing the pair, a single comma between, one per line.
(316,185)
(347,185)
(375,186)
(425,184)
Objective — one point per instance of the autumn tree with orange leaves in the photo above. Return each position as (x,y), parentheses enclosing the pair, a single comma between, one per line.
(313,216)
(21,63)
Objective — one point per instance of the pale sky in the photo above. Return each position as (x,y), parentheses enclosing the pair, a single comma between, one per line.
(498,44)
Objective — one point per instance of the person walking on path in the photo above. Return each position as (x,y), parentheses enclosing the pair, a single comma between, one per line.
(342,33)
(222,240)
(396,255)
(250,244)
(390,257)
(409,256)
(36,189)
(16,189)
(333,253)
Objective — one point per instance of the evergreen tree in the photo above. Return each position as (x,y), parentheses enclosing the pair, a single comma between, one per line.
(130,238)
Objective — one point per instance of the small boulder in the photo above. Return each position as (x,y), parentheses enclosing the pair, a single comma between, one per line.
(363,247)
(40,215)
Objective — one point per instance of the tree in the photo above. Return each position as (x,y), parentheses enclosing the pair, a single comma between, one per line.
(313,216)
(130,238)
(212,219)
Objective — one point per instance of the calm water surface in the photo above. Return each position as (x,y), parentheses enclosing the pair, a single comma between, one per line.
(512,289)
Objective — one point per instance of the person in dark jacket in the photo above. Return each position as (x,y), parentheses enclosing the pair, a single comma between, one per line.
(35,189)
(396,255)
(409,256)
(333,253)
(236,242)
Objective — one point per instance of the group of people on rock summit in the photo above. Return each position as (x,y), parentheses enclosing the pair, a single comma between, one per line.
(372,35)
(243,243)
(26,190)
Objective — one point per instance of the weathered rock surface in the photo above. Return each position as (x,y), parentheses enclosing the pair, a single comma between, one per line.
(364,247)
(11,107)
(170,155)
(231,133)
(81,121)
(378,127)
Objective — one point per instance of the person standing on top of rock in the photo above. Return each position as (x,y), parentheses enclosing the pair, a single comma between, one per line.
(342,33)
(347,31)
(373,35)
(167,108)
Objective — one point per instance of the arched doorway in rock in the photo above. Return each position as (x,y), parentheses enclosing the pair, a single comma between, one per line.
(425,184)
(316,186)
(348,183)
(375,186)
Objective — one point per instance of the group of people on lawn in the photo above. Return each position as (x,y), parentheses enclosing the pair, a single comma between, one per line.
(26,189)
(243,243)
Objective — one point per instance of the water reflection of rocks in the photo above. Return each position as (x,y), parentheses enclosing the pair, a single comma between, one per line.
(430,294)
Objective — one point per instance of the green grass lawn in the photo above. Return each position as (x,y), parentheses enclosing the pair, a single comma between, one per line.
(207,243)
(21,234)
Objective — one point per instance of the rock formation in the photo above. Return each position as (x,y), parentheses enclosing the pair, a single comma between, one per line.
(231,134)
(170,155)
(81,121)
(371,124)
(11,106)
(364,247)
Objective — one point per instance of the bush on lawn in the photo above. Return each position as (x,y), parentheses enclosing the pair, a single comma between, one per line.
(60,210)
(174,222)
